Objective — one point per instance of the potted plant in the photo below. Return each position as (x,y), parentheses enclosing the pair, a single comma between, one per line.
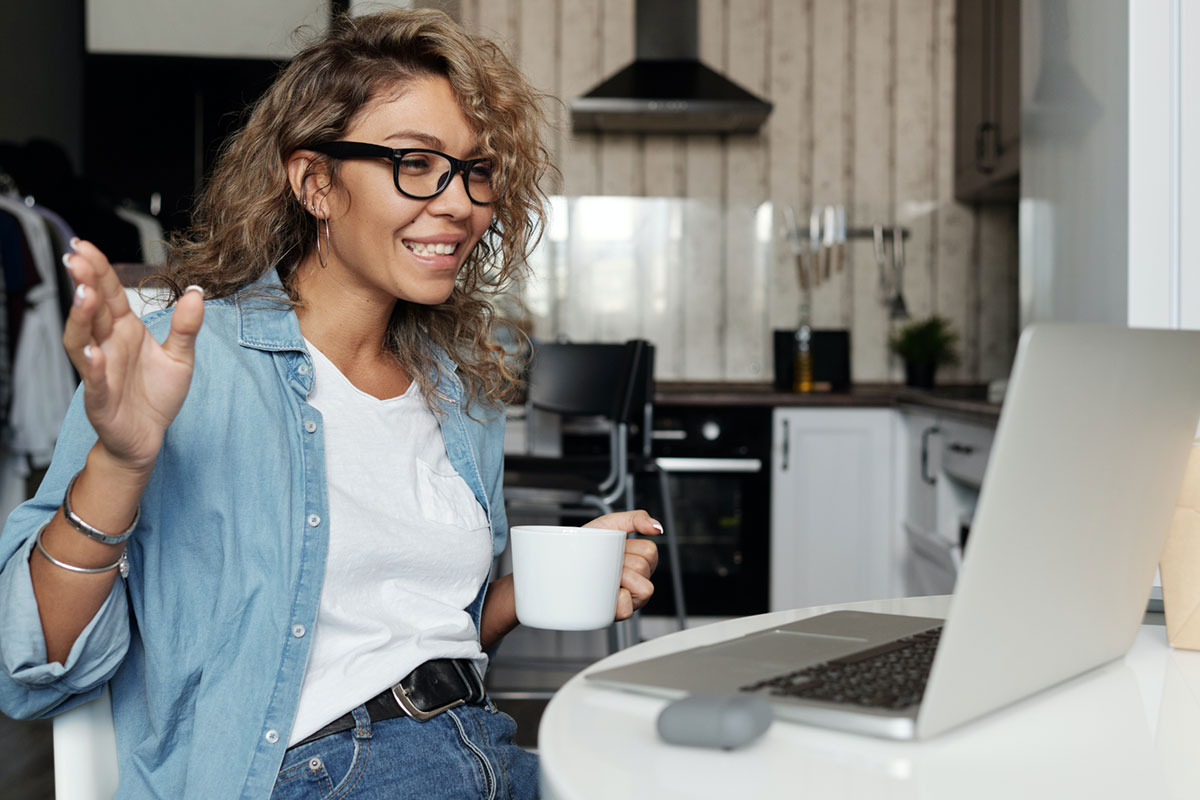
(924,345)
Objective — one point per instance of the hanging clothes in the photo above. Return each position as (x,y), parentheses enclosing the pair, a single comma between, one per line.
(150,234)
(42,378)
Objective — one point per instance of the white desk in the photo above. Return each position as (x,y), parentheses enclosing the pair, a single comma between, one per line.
(1130,729)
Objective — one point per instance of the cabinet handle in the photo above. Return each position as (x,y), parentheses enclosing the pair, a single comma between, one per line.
(925,434)
(786,440)
(962,449)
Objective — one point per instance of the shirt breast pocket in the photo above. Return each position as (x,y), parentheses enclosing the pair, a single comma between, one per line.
(447,500)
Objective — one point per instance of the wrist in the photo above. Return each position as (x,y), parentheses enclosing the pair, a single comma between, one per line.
(117,470)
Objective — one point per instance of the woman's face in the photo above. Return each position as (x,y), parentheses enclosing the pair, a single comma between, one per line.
(382,242)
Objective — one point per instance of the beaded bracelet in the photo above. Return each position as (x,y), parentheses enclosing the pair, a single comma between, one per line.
(95,534)
(121,564)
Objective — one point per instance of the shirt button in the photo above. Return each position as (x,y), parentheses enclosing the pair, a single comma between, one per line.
(302,369)
(272,736)
(297,631)
(314,520)
(310,426)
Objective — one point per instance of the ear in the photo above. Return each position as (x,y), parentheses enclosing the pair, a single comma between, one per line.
(309,179)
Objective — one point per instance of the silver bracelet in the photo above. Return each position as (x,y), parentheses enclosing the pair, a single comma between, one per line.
(121,564)
(95,534)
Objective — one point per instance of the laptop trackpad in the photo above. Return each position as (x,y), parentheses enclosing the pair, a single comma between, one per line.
(782,650)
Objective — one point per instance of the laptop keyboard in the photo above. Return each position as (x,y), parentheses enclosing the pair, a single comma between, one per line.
(892,675)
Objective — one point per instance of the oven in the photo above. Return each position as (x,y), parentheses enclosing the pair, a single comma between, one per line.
(717,461)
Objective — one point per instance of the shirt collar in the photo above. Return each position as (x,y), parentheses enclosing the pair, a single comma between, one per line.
(269,323)
(267,319)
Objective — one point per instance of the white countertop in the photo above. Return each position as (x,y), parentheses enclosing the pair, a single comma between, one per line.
(1130,729)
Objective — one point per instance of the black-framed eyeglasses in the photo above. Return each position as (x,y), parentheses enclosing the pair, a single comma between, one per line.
(420,173)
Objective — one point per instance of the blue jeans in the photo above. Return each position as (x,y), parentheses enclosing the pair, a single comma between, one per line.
(466,752)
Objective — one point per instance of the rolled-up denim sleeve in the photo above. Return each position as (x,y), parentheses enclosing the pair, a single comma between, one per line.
(29,686)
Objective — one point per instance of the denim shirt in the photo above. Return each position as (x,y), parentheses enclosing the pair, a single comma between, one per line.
(204,645)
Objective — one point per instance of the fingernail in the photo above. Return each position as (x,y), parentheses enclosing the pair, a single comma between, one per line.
(194,288)
(80,294)
(74,243)
(657,526)
(87,352)
(66,261)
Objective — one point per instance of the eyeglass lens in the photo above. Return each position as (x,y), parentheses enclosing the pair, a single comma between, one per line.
(423,174)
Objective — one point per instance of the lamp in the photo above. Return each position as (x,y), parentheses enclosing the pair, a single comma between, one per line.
(1180,563)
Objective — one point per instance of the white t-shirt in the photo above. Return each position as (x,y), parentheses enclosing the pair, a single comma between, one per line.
(409,548)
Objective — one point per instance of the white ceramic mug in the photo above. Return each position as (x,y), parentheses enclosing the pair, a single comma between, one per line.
(566,578)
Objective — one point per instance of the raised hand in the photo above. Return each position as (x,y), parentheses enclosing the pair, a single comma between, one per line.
(133,386)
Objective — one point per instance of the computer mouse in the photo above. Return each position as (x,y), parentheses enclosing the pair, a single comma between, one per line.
(716,721)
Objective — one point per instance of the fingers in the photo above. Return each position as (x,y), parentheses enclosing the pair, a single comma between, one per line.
(637,521)
(641,559)
(78,336)
(106,281)
(86,264)
(642,555)
(636,590)
(185,324)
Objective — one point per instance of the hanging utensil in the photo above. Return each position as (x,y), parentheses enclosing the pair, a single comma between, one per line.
(814,245)
(839,236)
(798,244)
(899,309)
(830,239)
(881,263)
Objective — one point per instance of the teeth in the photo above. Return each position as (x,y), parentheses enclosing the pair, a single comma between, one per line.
(422,249)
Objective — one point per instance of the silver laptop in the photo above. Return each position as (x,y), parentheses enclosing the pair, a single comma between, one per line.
(1082,480)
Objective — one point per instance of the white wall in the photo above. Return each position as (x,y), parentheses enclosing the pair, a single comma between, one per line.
(1074,156)
(1109,190)
(1164,175)
(226,28)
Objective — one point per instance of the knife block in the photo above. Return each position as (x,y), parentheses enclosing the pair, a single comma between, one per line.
(830,351)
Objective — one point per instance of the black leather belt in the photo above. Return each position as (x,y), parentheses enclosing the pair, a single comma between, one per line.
(427,691)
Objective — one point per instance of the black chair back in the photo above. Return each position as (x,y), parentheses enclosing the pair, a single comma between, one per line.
(586,379)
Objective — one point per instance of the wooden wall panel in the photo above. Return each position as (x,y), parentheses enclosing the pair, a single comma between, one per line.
(915,151)
(580,61)
(873,159)
(787,146)
(997,279)
(863,94)
(958,290)
(830,76)
(746,323)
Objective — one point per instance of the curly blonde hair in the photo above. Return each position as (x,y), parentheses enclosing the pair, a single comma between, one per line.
(247,220)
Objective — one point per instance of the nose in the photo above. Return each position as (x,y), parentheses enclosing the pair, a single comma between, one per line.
(453,201)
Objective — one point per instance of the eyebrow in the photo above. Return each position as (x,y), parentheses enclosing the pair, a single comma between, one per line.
(428,140)
(424,138)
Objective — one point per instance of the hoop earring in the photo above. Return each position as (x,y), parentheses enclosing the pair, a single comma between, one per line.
(328,245)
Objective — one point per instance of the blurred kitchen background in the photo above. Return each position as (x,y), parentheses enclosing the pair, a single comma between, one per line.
(863,117)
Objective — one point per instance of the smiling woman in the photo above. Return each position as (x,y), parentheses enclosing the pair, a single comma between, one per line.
(272,512)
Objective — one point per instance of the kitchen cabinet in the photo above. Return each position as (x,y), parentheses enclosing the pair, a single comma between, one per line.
(943,464)
(832,505)
(987,124)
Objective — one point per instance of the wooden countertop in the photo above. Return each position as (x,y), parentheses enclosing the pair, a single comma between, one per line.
(967,400)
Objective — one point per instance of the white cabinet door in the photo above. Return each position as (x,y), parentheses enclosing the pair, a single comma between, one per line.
(832,506)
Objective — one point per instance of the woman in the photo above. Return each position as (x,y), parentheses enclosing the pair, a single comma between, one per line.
(301,484)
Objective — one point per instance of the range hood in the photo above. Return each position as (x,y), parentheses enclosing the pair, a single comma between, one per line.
(666,89)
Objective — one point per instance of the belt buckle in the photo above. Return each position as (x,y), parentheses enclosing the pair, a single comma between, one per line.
(418,714)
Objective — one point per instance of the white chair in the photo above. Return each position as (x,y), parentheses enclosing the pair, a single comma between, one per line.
(85,752)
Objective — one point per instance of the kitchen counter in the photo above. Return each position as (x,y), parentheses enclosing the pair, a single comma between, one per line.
(965,400)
